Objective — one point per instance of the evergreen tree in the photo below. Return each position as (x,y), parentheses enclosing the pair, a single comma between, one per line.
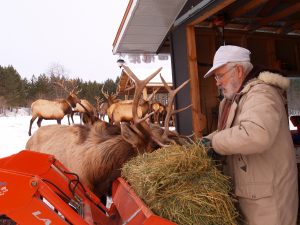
(110,86)
(15,91)
(11,86)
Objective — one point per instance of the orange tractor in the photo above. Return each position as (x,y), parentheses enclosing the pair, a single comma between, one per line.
(36,188)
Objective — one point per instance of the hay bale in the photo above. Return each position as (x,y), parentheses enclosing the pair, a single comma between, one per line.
(182,184)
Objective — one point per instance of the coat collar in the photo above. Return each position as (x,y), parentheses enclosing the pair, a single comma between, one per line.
(256,77)
(265,77)
(269,78)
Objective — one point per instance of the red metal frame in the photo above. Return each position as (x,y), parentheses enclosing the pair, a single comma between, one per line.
(35,189)
(25,178)
(131,208)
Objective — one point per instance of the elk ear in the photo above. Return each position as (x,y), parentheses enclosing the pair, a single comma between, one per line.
(129,135)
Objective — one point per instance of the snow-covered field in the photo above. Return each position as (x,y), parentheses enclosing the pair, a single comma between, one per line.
(14,130)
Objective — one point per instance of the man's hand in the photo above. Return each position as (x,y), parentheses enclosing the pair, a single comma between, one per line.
(209,149)
(206,143)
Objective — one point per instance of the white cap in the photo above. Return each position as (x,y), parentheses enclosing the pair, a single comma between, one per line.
(226,54)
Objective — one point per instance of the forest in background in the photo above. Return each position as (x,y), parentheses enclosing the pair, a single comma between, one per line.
(16,91)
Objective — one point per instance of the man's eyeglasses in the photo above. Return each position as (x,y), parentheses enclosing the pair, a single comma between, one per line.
(220,76)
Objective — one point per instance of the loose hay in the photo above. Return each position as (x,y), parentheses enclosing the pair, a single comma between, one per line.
(182,184)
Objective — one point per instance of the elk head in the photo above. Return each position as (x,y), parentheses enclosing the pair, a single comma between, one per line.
(72,98)
(111,98)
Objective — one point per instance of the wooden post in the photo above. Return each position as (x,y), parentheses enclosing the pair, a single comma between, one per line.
(271,54)
(197,118)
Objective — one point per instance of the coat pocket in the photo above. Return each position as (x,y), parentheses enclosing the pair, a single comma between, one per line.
(254,190)
(253,177)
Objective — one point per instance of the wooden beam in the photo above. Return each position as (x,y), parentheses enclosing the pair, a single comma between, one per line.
(246,8)
(198,119)
(283,13)
(268,7)
(276,16)
(211,12)
(288,28)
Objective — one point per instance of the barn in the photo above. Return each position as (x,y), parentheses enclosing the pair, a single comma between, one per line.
(192,30)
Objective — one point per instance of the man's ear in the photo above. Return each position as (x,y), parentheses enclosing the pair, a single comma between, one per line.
(240,71)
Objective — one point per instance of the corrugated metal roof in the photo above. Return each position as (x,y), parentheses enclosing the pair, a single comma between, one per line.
(145,25)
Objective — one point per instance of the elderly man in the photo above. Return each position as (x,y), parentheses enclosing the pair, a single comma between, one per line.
(254,136)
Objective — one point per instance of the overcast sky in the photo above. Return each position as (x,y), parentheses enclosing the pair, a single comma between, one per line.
(37,35)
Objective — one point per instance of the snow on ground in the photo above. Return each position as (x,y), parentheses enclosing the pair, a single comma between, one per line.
(14,130)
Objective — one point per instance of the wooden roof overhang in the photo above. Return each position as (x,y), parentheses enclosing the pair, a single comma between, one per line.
(145,25)
(278,17)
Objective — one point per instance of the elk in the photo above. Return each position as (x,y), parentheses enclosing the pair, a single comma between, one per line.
(54,110)
(99,101)
(108,107)
(103,110)
(84,107)
(158,109)
(110,99)
(122,111)
(101,107)
(96,153)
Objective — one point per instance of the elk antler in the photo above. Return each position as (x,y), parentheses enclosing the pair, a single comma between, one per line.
(153,94)
(98,101)
(140,85)
(62,85)
(105,94)
(110,97)
(75,89)
(171,97)
(115,95)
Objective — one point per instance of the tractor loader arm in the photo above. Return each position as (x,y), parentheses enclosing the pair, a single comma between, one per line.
(35,188)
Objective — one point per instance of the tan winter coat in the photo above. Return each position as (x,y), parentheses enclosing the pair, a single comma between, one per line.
(260,153)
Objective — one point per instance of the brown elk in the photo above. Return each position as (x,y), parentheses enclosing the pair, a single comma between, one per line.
(108,107)
(99,101)
(101,107)
(103,110)
(110,99)
(84,107)
(158,110)
(54,110)
(122,111)
(96,153)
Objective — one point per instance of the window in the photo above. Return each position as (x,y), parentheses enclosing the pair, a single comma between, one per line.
(293,96)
